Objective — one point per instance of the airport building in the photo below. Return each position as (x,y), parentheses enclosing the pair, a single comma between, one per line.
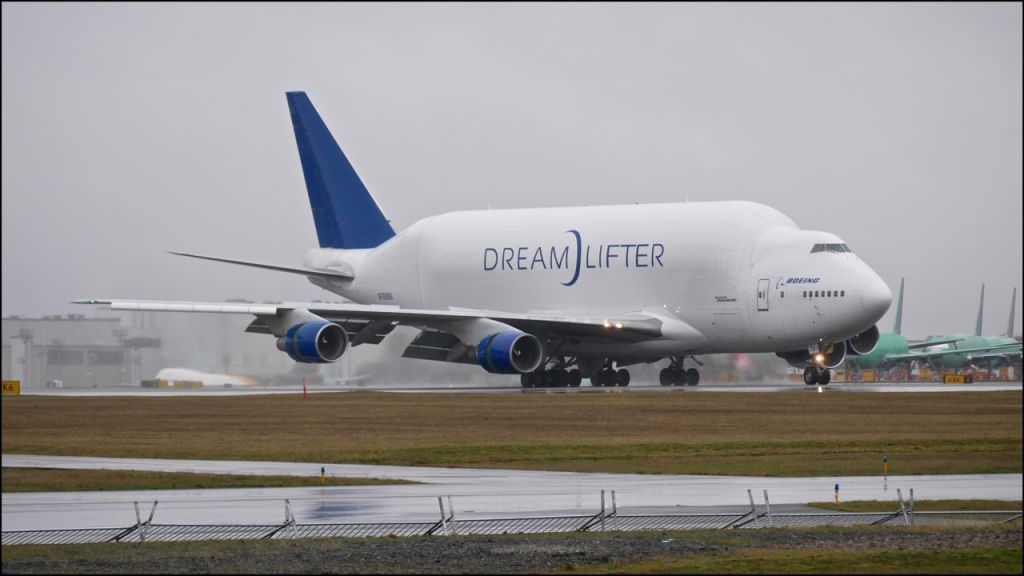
(115,348)
(76,351)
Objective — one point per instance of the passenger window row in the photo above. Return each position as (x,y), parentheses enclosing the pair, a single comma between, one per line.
(824,293)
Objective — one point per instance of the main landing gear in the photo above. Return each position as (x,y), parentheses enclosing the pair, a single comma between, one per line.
(676,375)
(551,378)
(558,374)
(609,376)
(554,372)
(815,375)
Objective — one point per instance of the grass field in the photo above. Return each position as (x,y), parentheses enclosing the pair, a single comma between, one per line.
(780,434)
(976,561)
(919,505)
(868,550)
(50,480)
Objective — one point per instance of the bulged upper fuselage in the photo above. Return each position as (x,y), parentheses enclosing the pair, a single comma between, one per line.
(741,273)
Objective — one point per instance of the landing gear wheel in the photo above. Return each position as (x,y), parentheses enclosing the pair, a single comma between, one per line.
(665,377)
(608,377)
(825,377)
(563,378)
(550,378)
(526,379)
(575,378)
(810,376)
(622,377)
(692,377)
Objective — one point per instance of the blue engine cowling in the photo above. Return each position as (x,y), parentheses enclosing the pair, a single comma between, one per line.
(511,352)
(314,342)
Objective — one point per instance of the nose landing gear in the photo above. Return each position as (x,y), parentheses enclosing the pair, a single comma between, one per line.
(814,375)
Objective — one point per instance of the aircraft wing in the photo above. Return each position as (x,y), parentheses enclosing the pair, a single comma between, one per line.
(996,354)
(378,320)
(1008,349)
(931,343)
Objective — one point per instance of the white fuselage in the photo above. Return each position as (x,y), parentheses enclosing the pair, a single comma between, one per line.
(737,272)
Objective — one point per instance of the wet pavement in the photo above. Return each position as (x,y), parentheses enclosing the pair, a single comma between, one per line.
(473,492)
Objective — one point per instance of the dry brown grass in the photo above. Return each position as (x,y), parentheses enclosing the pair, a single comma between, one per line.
(49,480)
(919,505)
(727,433)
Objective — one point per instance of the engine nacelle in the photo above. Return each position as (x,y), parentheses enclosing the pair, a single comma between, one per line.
(314,342)
(863,343)
(832,356)
(510,352)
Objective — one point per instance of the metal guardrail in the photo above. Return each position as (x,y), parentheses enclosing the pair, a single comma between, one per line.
(76,536)
(185,532)
(674,521)
(964,517)
(535,525)
(368,530)
(449,525)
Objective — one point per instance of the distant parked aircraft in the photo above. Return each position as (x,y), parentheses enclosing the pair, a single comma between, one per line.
(894,349)
(964,351)
(208,379)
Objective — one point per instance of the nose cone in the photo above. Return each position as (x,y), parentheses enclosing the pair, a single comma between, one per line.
(875,298)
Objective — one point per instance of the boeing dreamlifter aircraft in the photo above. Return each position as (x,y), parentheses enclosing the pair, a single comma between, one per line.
(559,294)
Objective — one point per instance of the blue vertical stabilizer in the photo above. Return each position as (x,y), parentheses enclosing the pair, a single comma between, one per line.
(345,213)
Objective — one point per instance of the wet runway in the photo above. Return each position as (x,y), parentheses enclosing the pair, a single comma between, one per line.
(474,493)
(779,386)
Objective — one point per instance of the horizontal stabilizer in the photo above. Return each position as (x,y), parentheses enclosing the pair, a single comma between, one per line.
(318,273)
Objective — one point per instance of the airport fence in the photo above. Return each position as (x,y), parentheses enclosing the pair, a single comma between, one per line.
(448,525)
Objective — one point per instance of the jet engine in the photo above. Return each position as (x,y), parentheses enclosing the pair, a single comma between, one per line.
(315,342)
(510,352)
(863,343)
(832,356)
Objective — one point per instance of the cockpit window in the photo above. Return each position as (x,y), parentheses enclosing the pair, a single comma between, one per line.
(830,248)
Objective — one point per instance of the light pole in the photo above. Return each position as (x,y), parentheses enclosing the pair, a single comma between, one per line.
(120,334)
(26,335)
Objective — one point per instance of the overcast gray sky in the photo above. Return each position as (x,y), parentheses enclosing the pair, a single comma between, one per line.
(129,130)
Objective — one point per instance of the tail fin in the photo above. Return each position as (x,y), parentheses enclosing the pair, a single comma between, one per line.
(1009,323)
(899,310)
(345,213)
(981,310)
